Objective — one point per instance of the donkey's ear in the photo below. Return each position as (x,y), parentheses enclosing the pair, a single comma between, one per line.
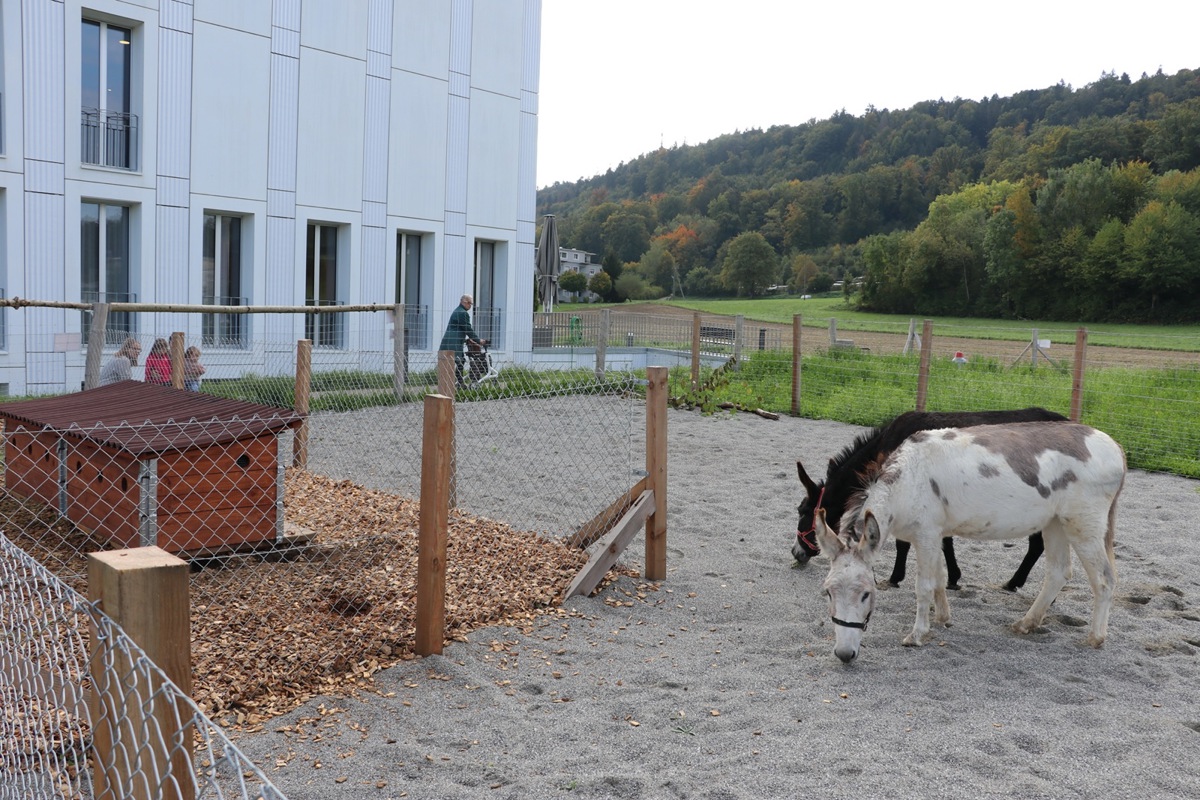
(806,481)
(873,539)
(827,538)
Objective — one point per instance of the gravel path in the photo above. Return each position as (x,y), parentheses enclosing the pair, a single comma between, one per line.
(720,681)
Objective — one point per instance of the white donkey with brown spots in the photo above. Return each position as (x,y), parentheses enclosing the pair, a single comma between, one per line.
(987,482)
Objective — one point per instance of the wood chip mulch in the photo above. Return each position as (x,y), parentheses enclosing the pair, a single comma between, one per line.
(273,630)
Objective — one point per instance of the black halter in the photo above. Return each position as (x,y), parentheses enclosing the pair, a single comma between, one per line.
(862,626)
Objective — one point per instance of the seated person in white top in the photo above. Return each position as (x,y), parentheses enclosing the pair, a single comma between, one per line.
(120,366)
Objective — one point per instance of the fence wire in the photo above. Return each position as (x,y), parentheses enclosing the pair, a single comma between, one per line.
(62,688)
(303,540)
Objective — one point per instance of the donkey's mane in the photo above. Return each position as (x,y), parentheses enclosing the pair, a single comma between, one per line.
(856,458)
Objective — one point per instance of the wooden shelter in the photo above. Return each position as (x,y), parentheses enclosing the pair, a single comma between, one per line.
(137,464)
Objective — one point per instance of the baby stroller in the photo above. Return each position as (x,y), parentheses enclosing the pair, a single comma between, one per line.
(479,364)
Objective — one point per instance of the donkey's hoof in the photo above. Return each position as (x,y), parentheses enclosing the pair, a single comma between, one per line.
(1095,641)
(912,640)
(1024,626)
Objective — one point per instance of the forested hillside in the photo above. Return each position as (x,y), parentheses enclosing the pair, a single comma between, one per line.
(1080,204)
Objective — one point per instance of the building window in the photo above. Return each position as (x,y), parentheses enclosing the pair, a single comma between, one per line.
(105,274)
(221,282)
(410,278)
(109,132)
(487,314)
(321,286)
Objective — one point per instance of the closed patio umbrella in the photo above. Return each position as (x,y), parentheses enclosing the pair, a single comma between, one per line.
(549,262)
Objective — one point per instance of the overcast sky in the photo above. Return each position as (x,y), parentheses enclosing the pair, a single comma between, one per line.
(619,77)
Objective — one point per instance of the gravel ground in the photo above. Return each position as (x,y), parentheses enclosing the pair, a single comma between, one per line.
(720,681)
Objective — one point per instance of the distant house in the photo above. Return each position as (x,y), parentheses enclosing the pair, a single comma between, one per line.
(578,261)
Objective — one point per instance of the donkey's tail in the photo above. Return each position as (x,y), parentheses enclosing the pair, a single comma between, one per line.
(1110,535)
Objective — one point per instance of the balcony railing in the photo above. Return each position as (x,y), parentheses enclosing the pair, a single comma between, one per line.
(224,330)
(325,330)
(119,325)
(489,324)
(109,138)
(416,327)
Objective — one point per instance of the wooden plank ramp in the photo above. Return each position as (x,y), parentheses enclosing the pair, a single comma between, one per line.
(609,547)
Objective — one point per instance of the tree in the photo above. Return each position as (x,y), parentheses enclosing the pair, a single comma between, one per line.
(601,284)
(1159,246)
(613,267)
(750,265)
(803,270)
(573,281)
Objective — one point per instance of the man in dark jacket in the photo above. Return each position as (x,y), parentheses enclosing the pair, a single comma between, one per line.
(459,331)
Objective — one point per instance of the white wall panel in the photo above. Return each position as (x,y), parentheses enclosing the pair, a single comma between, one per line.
(339,28)
(377,124)
(329,141)
(531,60)
(43,71)
(251,17)
(421,37)
(460,37)
(527,169)
(44,252)
(281,267)
(458,124)
(284,111)
(493,160)
(417,158)
(174,103)
(231,123)
(379,26)
(284,13)
(44,176)
(371,283)
(496,46)
(175,15)
(170,265)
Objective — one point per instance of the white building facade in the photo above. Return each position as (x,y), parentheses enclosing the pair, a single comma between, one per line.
(263,152)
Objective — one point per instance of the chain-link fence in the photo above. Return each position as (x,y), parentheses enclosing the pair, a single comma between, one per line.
(301,529)
(64,691)
(290,481)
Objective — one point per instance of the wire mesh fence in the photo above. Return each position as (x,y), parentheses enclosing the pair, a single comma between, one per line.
(301,528)
(296,500)
(63,689)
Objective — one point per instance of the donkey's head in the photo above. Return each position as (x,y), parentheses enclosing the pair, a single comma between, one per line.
(850,585)
(805,546)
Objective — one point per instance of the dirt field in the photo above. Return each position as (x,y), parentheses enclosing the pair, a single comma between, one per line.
(944,346)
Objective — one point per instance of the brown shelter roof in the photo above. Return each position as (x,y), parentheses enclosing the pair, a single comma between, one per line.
(145,419)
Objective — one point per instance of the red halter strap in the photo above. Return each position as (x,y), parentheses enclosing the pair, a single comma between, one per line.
(807,537)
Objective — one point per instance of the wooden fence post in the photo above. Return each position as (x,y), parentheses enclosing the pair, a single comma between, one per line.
(95,346)
(796,365)
(145,591)
(302,392)
(1077,379)
(923,371)
(177,359)
(437,446)
(739,324)
(602,343)
(656,472)
(446,378)
(399,352)
(696,351)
